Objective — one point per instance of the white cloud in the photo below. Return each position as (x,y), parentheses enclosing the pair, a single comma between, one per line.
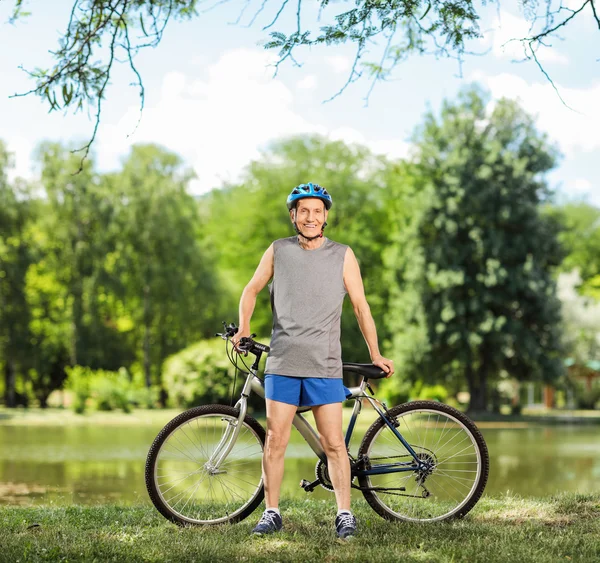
(507,29)
(573,129)
(393,148)
(579,186)
(307,83)
(218,125)
(339,63)
(21,149)
(582,189)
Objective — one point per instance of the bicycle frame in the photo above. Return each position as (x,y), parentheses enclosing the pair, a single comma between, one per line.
(254,383)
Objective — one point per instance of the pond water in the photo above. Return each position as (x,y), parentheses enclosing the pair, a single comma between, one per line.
(88,464)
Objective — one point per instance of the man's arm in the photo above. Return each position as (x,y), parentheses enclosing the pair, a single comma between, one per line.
(262,275)
(356,292)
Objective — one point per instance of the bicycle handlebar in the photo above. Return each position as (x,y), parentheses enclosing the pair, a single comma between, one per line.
(246,344)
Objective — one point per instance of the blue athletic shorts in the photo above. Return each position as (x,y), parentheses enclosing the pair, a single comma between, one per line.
(305,391)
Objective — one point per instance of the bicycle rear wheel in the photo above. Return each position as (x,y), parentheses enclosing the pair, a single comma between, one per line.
(181,483)
(443,437)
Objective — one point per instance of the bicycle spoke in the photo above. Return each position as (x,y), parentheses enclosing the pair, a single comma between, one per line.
(201,494)
(448,471)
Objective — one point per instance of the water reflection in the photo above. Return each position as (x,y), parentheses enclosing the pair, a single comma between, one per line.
(91,464)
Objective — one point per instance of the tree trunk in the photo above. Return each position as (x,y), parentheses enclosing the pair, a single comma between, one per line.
(163,396)
(147,362)
(10,378)
(43,399)
(477,380)
(76,322)
(478,392)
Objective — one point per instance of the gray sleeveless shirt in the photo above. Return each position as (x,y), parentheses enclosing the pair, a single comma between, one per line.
(307,292)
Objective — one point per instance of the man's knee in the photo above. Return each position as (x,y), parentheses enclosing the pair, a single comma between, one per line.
(334,445)
(276,441)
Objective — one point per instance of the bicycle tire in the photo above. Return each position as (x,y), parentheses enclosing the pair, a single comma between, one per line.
(395,505)
(166,452)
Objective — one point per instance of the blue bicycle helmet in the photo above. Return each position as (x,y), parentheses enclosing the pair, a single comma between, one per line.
(309,190)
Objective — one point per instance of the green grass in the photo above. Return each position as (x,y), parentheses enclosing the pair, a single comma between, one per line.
(508,529)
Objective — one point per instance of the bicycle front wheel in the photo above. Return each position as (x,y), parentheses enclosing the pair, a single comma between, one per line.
(451,446)
(181,477)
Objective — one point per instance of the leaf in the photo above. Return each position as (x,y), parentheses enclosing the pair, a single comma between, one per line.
(67,93)
(142,25)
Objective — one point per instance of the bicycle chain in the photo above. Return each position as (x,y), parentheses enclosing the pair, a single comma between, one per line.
(388,490)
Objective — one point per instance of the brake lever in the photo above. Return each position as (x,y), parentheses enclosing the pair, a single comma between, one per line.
(244,341)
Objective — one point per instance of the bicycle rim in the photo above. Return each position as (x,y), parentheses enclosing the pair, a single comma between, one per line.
(187,491)
(459,466)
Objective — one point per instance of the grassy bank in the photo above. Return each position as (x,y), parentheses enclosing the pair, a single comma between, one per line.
(159,417)
(60,417)
(564,528)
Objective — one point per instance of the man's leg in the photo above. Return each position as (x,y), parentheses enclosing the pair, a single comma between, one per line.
(329,424)
(279,427)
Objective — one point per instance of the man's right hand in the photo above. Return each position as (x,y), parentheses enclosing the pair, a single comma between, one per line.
(235,339)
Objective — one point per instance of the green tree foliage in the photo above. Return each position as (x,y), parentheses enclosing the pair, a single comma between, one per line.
(72,238)
(15,258)
(581,317)
(126,269)
(409,197)
(167,280)
(485,284)
(101,271)
(50,322)
(580,238)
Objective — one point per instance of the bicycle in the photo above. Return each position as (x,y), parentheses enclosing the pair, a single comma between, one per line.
(420,461)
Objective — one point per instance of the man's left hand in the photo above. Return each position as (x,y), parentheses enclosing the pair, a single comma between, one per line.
(385,364)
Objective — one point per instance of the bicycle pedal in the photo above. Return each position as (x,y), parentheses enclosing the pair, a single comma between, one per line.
(307,485)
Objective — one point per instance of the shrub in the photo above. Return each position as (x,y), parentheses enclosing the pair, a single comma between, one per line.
(106,390)
(423,391)
(201,374)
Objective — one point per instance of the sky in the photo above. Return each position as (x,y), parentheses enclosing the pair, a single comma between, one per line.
(212,97)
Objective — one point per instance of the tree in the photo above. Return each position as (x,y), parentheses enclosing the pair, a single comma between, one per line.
(50,319)
(100,33)
(580,238)
(243,220)
(15,257)
(409,198)
(581,317)
(74,233)
(485,282)
(167,281)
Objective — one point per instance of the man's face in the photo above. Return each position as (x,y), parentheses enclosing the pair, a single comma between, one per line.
(309,214)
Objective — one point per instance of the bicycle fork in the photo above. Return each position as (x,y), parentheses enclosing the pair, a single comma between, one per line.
(230,435)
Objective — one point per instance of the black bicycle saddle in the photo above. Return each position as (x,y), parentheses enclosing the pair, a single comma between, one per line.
(368,371)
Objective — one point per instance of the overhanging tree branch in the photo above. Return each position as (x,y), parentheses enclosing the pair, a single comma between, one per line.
(98,31)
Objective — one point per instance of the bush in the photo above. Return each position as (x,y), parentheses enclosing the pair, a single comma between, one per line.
(106,390)
(394,391)
(586,398)
(422,391)
(201,374)
(78,381)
